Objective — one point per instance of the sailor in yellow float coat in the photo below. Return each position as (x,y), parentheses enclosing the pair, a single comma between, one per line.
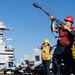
(73,54)
(73,50)
(46,56)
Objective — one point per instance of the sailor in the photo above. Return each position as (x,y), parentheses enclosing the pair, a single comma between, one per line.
(73,55)
(64,44)
(46,56)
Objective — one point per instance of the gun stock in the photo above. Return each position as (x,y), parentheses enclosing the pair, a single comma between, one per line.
(48,14)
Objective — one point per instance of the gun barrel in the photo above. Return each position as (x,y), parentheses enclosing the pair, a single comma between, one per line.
(57,20)
(36,5)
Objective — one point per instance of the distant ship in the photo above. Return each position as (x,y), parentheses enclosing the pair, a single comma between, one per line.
(6,51)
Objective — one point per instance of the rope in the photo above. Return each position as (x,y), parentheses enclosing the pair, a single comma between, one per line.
(51,7)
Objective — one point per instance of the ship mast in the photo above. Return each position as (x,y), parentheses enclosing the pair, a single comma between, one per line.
(2,28)
(6,51)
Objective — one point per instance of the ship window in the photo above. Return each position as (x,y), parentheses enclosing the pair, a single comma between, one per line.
(10,64)
(9,50)
(11,56)
(37,58)
(6,54)
(27,61)
(2,63)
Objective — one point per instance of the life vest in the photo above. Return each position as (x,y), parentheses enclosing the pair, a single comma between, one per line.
(65,38)
(73,49)
(29,65)
(46,53)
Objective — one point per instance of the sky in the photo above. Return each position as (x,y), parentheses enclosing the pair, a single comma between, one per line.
(31,25)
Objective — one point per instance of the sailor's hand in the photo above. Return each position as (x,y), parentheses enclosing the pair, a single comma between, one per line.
(40,46)
(65,27)
(51,17)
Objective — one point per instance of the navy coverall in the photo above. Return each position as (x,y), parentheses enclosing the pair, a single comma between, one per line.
(62,52)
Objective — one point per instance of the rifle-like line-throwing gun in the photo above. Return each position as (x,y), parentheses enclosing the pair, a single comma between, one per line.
(48,14)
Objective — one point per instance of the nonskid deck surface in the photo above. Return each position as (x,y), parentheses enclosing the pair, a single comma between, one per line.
(28,74)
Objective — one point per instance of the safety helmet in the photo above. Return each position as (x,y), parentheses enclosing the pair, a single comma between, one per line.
(69,18)
(46,41)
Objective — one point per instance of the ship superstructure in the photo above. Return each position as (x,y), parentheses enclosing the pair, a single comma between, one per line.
(6,51)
